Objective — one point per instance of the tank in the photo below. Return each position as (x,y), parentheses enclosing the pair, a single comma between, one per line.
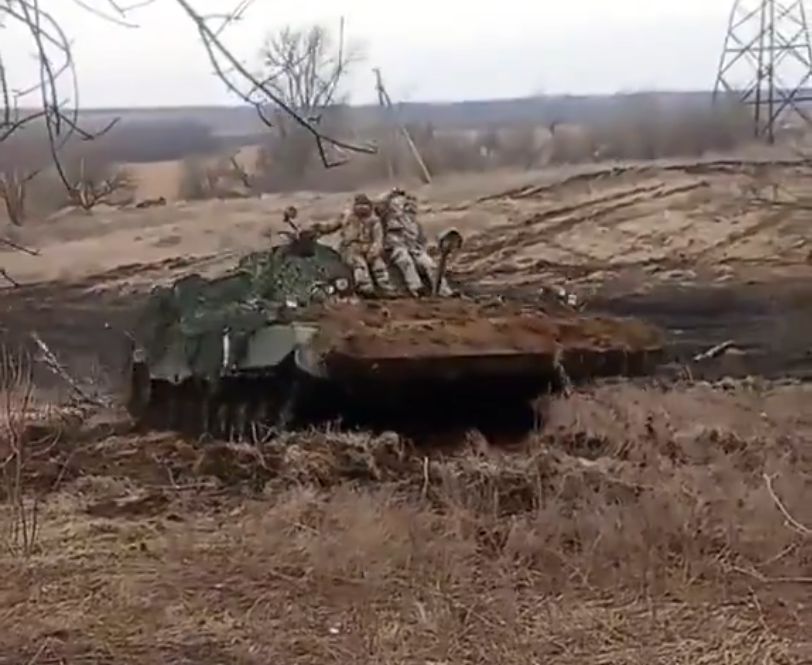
(282,341)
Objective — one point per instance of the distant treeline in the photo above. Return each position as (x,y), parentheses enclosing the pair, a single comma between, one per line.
(585,109)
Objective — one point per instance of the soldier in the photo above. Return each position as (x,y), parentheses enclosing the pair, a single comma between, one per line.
(361,245)
(290,214)
(406,243)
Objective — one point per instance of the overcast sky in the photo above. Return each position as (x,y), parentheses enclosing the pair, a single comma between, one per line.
(429,50)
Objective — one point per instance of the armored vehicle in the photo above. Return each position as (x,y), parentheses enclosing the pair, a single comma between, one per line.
(282,341)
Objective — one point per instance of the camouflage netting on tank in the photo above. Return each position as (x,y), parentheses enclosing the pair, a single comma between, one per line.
(196,312)
(283,275)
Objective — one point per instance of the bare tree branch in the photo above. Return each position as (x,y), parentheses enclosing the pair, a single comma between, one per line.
(18,247)
(302,70)
(220,56)
(52,109)
(52,44)
(56,87)
(4,274)
(118,19)
(55,59)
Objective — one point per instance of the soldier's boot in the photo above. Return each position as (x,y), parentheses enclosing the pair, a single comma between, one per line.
(362,279)
(428,268)
(444,291)
(403,260)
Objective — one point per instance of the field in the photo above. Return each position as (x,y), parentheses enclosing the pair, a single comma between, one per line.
(659,520)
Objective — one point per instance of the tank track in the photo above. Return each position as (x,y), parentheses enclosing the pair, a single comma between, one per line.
(252,409)
(239,410)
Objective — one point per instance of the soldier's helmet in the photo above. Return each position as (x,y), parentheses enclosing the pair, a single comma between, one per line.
(290,213)
(362,204)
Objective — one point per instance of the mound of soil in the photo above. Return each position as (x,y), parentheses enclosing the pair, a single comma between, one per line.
(444,327)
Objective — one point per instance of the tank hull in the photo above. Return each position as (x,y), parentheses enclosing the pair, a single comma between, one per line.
(401,363)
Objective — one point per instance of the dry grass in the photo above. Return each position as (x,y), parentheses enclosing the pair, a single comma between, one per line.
(625,535)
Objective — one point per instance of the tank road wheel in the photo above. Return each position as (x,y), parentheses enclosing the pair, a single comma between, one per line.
(173,403)
(191,395)
(158,410)
(235,411)
(220,419)
(139,393)
(151,416)
(239,422)
(204,418)
(259,422)
(287,413)
(226,418)
(253,423)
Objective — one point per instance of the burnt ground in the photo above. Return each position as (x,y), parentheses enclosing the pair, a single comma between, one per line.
(767,323)
(86,331)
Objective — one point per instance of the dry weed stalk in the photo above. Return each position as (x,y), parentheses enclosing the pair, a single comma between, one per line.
(793,523)
(238,170)
(49,359)
(88,191)
(13,191)
(16,371)
(228,170)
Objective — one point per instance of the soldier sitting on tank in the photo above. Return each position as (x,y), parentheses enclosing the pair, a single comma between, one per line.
(405,243)
(361,245)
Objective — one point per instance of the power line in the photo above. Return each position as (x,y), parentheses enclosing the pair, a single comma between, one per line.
(766,61)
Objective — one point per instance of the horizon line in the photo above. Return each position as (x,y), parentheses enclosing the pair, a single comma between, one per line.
(480,100)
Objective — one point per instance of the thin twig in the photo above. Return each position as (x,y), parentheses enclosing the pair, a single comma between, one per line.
(771,580)
(715,351)
(791,521)
(4,274)
(19,247)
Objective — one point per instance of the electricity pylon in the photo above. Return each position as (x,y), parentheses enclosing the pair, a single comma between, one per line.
(766,61)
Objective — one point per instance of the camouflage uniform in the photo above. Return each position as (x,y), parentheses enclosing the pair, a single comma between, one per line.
(406,243)
(361,245)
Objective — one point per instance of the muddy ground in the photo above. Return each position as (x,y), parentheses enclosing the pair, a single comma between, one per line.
(768,323)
